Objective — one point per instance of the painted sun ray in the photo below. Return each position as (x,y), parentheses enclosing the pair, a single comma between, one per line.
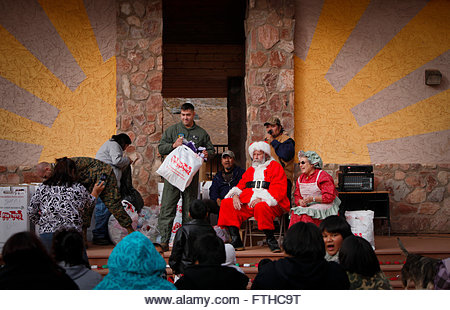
(378,25)
(423,39)
(21,102)
(307,14)
(20,129)
(346,14)
(429,148)
(406,91)
(22,68)
(75,29)
(101,13)
(10,149)
(410,121)
(26,21)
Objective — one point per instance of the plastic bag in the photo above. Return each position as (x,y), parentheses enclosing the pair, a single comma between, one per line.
(180,166)
(148,223)
(178,221)
(361,223)
(116,231)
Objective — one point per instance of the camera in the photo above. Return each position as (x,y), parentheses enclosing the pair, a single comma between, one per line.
(103,177)
(270,132)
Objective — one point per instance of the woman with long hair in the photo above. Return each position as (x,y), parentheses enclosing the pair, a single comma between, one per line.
(60,201)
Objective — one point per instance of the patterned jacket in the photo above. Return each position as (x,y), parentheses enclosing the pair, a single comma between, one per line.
(59,207)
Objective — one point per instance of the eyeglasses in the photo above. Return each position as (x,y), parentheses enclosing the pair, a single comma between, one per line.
(302,162)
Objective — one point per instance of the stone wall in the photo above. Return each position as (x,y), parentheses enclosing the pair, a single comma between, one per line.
(139,85)
(269,80)
(419,195)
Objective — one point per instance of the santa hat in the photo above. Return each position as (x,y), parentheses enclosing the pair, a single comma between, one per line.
(259,146)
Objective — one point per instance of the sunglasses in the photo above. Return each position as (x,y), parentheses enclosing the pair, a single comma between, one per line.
(302,162)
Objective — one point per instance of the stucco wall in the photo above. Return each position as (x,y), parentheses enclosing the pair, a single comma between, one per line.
(57,79)
(360,95)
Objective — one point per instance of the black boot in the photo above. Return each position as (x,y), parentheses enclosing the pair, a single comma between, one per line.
(236,240)
(272,242)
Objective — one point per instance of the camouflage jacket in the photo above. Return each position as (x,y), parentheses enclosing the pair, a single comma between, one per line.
(376,282)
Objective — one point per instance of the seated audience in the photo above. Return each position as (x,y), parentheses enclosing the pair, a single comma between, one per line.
(315,194)
(60,202)
(360,262)
(68,251)
(208,273)
(28,266)
(134,264)
(334,230)
(304,268)
(261,193)
(224,180)
(182,251)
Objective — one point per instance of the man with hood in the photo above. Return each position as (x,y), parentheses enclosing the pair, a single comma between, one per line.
(261,193)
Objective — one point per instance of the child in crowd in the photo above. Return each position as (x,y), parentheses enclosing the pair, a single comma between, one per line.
(68,250)
(304,267)
(230,252)
(334,230)
(359,260)
(182,251)
(160,250)
(207,273)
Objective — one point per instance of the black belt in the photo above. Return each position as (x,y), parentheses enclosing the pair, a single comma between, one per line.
(257,184)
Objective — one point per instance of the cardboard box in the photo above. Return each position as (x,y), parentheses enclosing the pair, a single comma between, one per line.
(14,201)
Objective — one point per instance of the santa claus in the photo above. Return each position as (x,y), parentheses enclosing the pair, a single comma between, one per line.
(260,193)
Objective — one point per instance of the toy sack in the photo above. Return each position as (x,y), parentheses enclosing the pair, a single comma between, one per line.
(180,166)
(115,230)
(361,223)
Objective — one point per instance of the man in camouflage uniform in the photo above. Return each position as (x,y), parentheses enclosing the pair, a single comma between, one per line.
(89,171)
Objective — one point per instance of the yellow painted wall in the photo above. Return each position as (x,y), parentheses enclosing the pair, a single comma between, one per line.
(323,119)
(87,115)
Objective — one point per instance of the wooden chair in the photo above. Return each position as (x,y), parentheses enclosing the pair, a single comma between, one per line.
(251,230)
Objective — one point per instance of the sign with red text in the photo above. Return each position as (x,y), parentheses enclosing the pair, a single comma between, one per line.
(13,211)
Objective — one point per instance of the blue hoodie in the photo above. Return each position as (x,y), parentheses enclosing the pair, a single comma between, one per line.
(134,264)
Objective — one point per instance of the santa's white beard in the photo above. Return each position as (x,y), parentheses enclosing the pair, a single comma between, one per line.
(257,162)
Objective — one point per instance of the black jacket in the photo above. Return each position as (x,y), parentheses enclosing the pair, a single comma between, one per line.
(183,244)
(212,277)
(34,275)
(292,273)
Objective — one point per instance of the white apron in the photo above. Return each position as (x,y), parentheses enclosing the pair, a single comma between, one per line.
(316,210)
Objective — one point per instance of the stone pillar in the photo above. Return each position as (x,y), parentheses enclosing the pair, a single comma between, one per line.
(139,86)
(269,80)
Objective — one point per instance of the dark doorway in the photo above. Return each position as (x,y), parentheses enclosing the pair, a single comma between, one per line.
(204,57)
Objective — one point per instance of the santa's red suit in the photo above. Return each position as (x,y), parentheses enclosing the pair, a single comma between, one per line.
(274,200)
